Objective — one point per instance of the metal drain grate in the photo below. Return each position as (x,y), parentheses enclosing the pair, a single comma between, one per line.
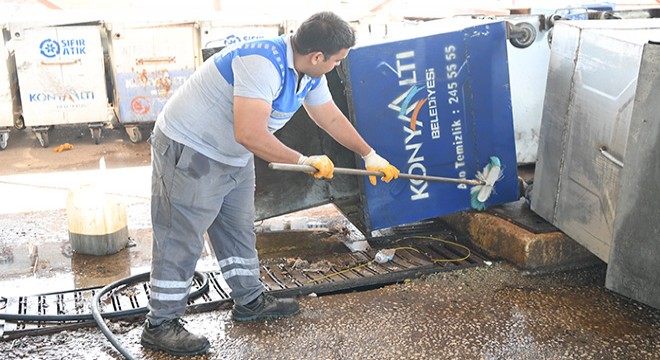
(284,278)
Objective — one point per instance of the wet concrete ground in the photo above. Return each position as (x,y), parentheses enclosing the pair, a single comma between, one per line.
(480,313)
(491,312)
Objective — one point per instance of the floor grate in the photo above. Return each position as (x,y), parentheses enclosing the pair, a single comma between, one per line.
(340,272)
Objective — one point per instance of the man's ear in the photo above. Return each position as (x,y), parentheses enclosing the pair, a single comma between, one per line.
(317,57)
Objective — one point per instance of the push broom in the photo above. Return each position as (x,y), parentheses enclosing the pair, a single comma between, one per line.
(482,186)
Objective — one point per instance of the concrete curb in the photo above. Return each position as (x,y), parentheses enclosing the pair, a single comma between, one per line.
(502,239)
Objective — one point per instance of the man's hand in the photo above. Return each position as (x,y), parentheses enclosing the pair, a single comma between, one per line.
(322,163)
(373,161)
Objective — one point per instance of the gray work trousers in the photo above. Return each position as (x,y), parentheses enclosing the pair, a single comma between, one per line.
(192,195)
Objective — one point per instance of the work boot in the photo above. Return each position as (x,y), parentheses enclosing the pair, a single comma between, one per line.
(265,307)
(172,337)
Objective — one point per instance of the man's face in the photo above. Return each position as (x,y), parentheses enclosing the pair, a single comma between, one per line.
(322,66)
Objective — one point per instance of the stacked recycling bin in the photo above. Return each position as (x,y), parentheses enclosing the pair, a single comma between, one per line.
(7,105)
(150,61)
(217,34)
(61,75)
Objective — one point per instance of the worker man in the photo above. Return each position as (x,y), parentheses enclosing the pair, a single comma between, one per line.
(203,177)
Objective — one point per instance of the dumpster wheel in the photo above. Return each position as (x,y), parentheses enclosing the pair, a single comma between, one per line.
(134,134)
(42,135)
(4,139)
(522,35)
(19,123)
(95,129)
(96,135)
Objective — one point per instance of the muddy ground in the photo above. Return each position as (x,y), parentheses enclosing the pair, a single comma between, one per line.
(25,155)
(492,312)
(489,312)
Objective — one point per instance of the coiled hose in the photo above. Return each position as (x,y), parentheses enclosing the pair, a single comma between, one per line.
(96,312)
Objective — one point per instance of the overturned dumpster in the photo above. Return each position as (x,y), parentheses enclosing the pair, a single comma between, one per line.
(435,104)
(633,263)
(528,53)
(587,182)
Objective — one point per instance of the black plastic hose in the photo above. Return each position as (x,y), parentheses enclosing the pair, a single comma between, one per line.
(110,315)
(96,312)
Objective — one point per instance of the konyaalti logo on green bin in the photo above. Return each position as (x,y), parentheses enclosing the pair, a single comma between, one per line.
(50,48)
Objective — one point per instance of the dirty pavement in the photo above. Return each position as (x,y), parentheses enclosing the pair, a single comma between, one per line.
(491,311)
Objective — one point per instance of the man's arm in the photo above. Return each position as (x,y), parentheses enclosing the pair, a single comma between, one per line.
(332,120)
(251,130)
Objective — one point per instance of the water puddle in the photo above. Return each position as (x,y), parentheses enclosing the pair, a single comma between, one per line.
(36,255)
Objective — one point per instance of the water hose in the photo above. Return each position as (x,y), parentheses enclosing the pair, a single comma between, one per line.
(110,315)
(96,312)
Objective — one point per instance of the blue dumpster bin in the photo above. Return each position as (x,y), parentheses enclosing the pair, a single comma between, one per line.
(434,105)
(437,104)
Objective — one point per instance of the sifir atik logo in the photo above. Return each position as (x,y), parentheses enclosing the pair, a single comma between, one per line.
(50,48)
(408,106)
(233,39)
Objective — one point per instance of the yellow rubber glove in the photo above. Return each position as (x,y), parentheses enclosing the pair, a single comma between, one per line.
(373,161)
(322,163)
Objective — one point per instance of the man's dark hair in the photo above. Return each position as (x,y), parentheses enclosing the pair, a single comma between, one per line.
(325,32)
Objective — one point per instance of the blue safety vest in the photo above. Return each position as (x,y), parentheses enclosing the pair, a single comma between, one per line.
(287,101)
